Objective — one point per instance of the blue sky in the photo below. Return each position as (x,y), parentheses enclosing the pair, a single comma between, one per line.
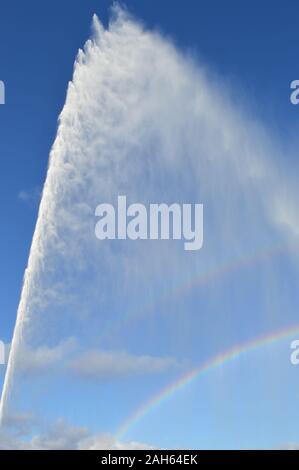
(250,51)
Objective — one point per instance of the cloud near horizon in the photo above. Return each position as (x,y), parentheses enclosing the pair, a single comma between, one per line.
(59,436)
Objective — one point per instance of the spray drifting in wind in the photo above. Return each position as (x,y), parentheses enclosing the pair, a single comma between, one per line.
(142,120)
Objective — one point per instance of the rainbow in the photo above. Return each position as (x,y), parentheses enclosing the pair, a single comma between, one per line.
(188,378)
(203,279)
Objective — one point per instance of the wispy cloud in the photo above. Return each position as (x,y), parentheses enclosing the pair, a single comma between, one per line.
(59,436)
(30,197)
(103,365)
(92,364)
(38,360)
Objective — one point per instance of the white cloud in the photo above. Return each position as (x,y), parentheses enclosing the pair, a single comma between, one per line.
(105,441)
(21,424)
(93,364)
(101,365)
(38,360)
(60,436)
(289,446)
(30,197)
